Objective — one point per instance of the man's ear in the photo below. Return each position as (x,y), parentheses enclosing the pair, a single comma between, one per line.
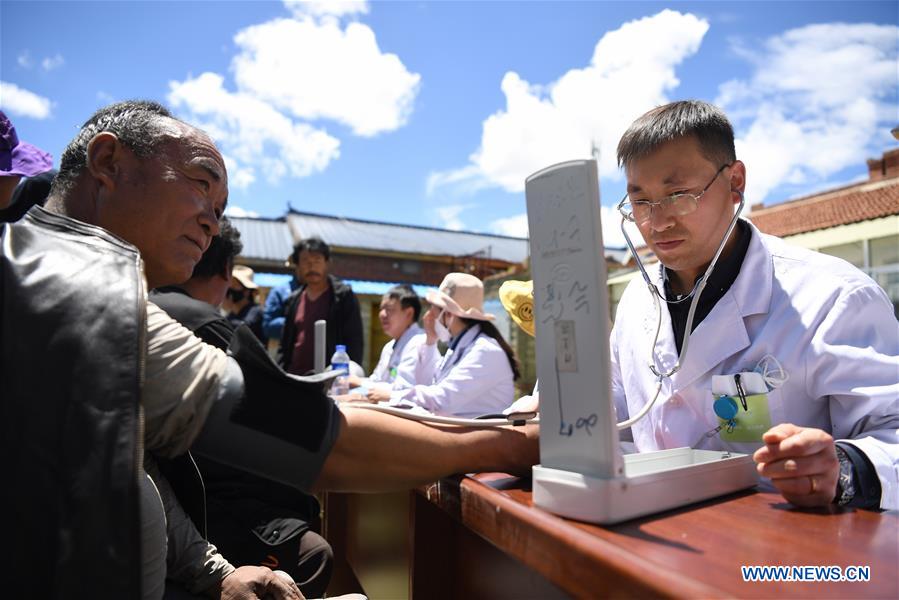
(104,153)
(737,179)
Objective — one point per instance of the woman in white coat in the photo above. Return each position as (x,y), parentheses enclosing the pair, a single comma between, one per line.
(476,375)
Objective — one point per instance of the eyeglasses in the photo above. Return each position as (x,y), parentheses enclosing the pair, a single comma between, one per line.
(678,205)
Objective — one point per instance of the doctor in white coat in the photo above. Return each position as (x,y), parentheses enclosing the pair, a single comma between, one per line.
(475,376)
(814,340)
(399,365)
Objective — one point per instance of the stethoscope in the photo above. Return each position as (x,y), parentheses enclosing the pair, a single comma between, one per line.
(655,365)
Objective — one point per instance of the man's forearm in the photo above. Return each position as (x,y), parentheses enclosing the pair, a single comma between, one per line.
(379,452)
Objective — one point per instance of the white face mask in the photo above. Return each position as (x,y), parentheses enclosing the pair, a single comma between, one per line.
(443,334)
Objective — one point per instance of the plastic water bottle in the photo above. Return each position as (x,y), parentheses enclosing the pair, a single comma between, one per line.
(340,361)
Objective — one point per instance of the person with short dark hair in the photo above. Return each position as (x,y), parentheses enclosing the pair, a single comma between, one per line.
(195,302)
(320,296)
(252,520)
(400,362)
(796,351)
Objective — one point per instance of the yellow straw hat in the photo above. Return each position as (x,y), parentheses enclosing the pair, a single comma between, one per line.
(517,298)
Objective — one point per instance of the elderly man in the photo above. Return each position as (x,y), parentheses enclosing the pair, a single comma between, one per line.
(92,373)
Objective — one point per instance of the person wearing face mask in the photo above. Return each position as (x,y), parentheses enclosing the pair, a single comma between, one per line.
(240,301)
(475,376)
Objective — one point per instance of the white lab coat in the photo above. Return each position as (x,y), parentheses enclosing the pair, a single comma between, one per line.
(830,326)
(470,380)
(401,355)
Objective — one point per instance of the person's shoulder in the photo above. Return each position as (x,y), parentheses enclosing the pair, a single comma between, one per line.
(417,340)
(341,288)
(190,312)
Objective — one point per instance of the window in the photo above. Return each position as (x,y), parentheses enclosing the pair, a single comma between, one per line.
(853,252)
(884,250)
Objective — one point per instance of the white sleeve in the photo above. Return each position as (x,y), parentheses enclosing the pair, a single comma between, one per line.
(852,361)
(379,373)
(409,367)
(618,397)
(426,362)
(464,386)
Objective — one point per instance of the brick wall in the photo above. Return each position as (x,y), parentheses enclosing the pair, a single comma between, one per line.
(885,167)
(384,268)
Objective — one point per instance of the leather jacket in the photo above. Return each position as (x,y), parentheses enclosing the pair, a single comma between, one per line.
(72,349)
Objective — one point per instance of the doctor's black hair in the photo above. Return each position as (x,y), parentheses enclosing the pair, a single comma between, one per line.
(219,257)
(704,121)
(406,296)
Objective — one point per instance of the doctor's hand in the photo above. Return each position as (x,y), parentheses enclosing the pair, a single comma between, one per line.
(801,462)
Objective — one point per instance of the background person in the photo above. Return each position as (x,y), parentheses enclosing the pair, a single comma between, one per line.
(399,363)
(475,376)
(276,303)
(319,296)
(240,301)
(19,160)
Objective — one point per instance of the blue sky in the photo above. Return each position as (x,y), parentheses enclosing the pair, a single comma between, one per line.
(433,113)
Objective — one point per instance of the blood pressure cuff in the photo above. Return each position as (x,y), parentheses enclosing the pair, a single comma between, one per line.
(268,422)
(294,409)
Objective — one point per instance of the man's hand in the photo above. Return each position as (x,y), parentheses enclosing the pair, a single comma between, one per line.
(801,462)
(252,583)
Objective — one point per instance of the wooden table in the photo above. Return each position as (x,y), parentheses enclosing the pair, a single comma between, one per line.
(481,536)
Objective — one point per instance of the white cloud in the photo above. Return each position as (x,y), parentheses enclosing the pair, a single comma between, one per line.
(798,122)
(21,102)
(53,62)
(251,132)
(236,211)
(239,176)
(289,73)
(325,8)
(631,70)
(105,97)
(448,216)
(517,225)
(318,70)
(25,60)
